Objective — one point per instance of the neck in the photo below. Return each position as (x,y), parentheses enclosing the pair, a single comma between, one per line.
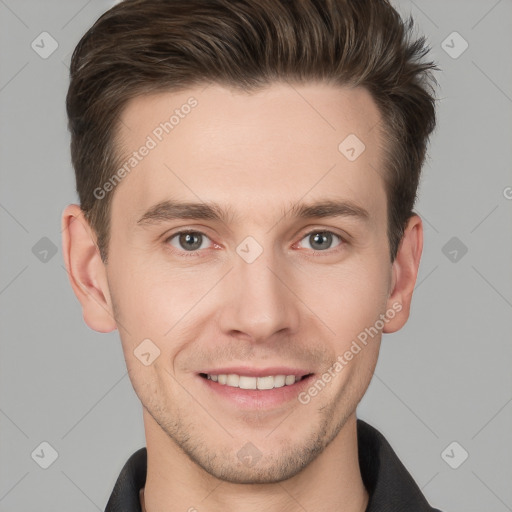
(333,479)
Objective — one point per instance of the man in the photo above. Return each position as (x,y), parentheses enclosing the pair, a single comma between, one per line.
(218,145)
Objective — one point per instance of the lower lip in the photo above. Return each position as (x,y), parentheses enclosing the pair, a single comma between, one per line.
(258,398)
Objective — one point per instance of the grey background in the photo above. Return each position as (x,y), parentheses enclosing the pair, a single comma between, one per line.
(445,377)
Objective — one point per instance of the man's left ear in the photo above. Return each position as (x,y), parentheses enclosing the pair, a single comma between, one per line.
(404,273)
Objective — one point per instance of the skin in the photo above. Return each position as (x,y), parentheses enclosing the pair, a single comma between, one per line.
(295,305)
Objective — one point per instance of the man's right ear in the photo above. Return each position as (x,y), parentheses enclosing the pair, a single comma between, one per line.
(86,270)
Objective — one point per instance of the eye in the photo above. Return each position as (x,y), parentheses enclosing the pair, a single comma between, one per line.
(321,240)
(190,241)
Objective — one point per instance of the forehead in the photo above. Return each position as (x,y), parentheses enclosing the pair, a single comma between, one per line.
(275,146)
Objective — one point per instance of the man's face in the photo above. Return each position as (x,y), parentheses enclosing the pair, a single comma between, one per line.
(260,292)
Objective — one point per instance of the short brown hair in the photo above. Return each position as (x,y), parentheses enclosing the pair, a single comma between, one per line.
(146,46)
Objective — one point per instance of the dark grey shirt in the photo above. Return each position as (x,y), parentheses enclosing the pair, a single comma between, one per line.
(390,486)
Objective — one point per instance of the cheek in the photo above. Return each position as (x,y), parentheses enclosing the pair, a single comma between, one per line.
(154,303)
(149,296)
(348,298)
(351,307)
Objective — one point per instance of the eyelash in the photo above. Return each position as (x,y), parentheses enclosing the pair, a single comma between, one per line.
(187,254)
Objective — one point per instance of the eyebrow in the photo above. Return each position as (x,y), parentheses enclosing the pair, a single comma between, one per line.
(172,210)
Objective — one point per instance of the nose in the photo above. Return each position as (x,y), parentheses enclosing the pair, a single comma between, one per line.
(259,300)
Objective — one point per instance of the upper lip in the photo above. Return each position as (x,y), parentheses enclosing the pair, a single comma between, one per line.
(257,372)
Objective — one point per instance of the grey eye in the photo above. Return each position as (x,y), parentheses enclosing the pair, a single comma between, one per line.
(320,240)
(188,240)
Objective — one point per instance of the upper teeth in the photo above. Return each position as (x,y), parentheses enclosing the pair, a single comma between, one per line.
(245,382)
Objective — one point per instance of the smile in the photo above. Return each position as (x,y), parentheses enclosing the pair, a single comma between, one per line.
(248,382)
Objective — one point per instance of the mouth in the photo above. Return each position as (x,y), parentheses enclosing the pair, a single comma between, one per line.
(251,382)
(255,389)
